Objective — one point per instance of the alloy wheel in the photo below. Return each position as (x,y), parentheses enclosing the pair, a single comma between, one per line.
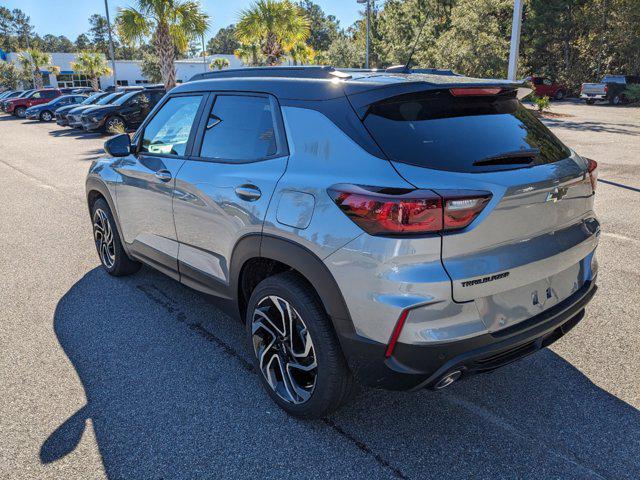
(284,350)
(103,235)
(115,125)
(46,116)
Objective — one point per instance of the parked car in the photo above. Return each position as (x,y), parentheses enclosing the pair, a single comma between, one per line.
(125,113)
(611,89)
(22,93)
(61,113)
(73,116)
(83,90)
(9,94)
(545,87)
(402,231)
(18,106)
(46,111)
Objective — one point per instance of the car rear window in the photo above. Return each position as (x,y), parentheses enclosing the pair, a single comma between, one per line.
(475,134)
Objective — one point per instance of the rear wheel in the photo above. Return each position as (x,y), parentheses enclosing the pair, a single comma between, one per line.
(46,116)
(559,95)
(295,349)
(590,102)
(105,234)
(19,112)
(615,100)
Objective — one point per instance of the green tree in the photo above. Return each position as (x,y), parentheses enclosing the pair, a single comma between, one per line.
(345,53)
(99,33)
(323,28)
(275,26)
(82,42)
(250,54)
(92,64)
(219,63)
(10,76)
(150,67)
(170,23)
(34,61)
(224,42)
(477,43)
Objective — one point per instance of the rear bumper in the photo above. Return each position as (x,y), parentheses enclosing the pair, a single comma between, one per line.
(593,96)
(62,121)
(418,366)
(91,126)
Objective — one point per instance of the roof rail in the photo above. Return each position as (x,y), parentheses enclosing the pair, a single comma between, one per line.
(430,71)
(281,71)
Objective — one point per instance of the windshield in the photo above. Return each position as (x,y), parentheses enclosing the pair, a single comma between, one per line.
(92,98)
(437,130)
(613,79)
(124,98)
(108,98)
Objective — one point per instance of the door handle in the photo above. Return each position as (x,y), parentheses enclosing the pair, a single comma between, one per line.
(248,192)
(163,175)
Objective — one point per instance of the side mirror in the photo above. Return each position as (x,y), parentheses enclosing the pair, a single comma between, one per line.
(118,146)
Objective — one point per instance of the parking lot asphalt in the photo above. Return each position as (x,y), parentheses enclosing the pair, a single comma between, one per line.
(141,377)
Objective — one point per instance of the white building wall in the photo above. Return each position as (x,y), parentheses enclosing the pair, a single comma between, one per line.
(128,71)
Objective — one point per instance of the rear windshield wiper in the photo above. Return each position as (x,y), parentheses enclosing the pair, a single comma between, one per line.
(517,157)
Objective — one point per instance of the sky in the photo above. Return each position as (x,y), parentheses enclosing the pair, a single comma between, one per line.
(70,17)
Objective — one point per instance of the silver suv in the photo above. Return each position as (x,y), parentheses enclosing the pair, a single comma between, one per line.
(395,230)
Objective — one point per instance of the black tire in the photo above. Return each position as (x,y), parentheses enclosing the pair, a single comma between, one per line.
(333,384)
(114,259)
(19,112)
(46,116)
(559,95)
(111,122)
(615,100)
(590,102)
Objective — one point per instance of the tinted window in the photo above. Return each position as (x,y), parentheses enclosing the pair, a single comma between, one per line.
(463,134)
(538,81)
(49,94)
(168,131)
(239,128)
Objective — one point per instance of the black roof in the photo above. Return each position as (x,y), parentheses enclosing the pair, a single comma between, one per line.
(324,83)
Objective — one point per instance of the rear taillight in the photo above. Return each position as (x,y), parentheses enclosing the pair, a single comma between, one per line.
(592,168)
(381,211)
(606,88)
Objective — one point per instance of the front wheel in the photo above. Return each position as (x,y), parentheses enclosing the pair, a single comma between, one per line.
(559,95)
(295,349)
(114,125)
(590,102)
(615,100)
(20,112)
(46,116)
(105,234)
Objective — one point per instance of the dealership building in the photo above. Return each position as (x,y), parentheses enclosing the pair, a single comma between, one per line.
(128,72)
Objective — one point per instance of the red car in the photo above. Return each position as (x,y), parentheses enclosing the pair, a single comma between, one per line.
(545,87)
(18,106)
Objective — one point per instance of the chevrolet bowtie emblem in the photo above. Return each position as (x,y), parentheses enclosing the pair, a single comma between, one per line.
(557,194)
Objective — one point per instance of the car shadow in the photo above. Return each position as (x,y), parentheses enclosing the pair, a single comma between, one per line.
(596,127)
(74,133)
(171,393)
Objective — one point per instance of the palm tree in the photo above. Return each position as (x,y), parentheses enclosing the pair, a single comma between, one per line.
(93,65)
(275,26)
(301,54)
(219,63)
(33,60)
(249,54)
(171,24)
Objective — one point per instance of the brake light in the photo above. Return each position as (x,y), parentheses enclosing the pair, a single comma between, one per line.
(606,88)
(592,169)
(381,211)
(396,333)
(474,91)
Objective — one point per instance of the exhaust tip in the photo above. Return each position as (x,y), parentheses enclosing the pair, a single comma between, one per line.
(448,379)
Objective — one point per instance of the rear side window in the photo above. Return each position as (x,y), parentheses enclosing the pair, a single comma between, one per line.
(168,131)
(462,134)
(240,128)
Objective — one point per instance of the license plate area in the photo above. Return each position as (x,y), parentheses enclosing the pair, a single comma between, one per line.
(505,309)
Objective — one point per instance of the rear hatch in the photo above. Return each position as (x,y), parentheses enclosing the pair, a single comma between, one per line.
(531,246)
(592,89)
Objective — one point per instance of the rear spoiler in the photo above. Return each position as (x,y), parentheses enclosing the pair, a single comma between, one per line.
(362,95)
